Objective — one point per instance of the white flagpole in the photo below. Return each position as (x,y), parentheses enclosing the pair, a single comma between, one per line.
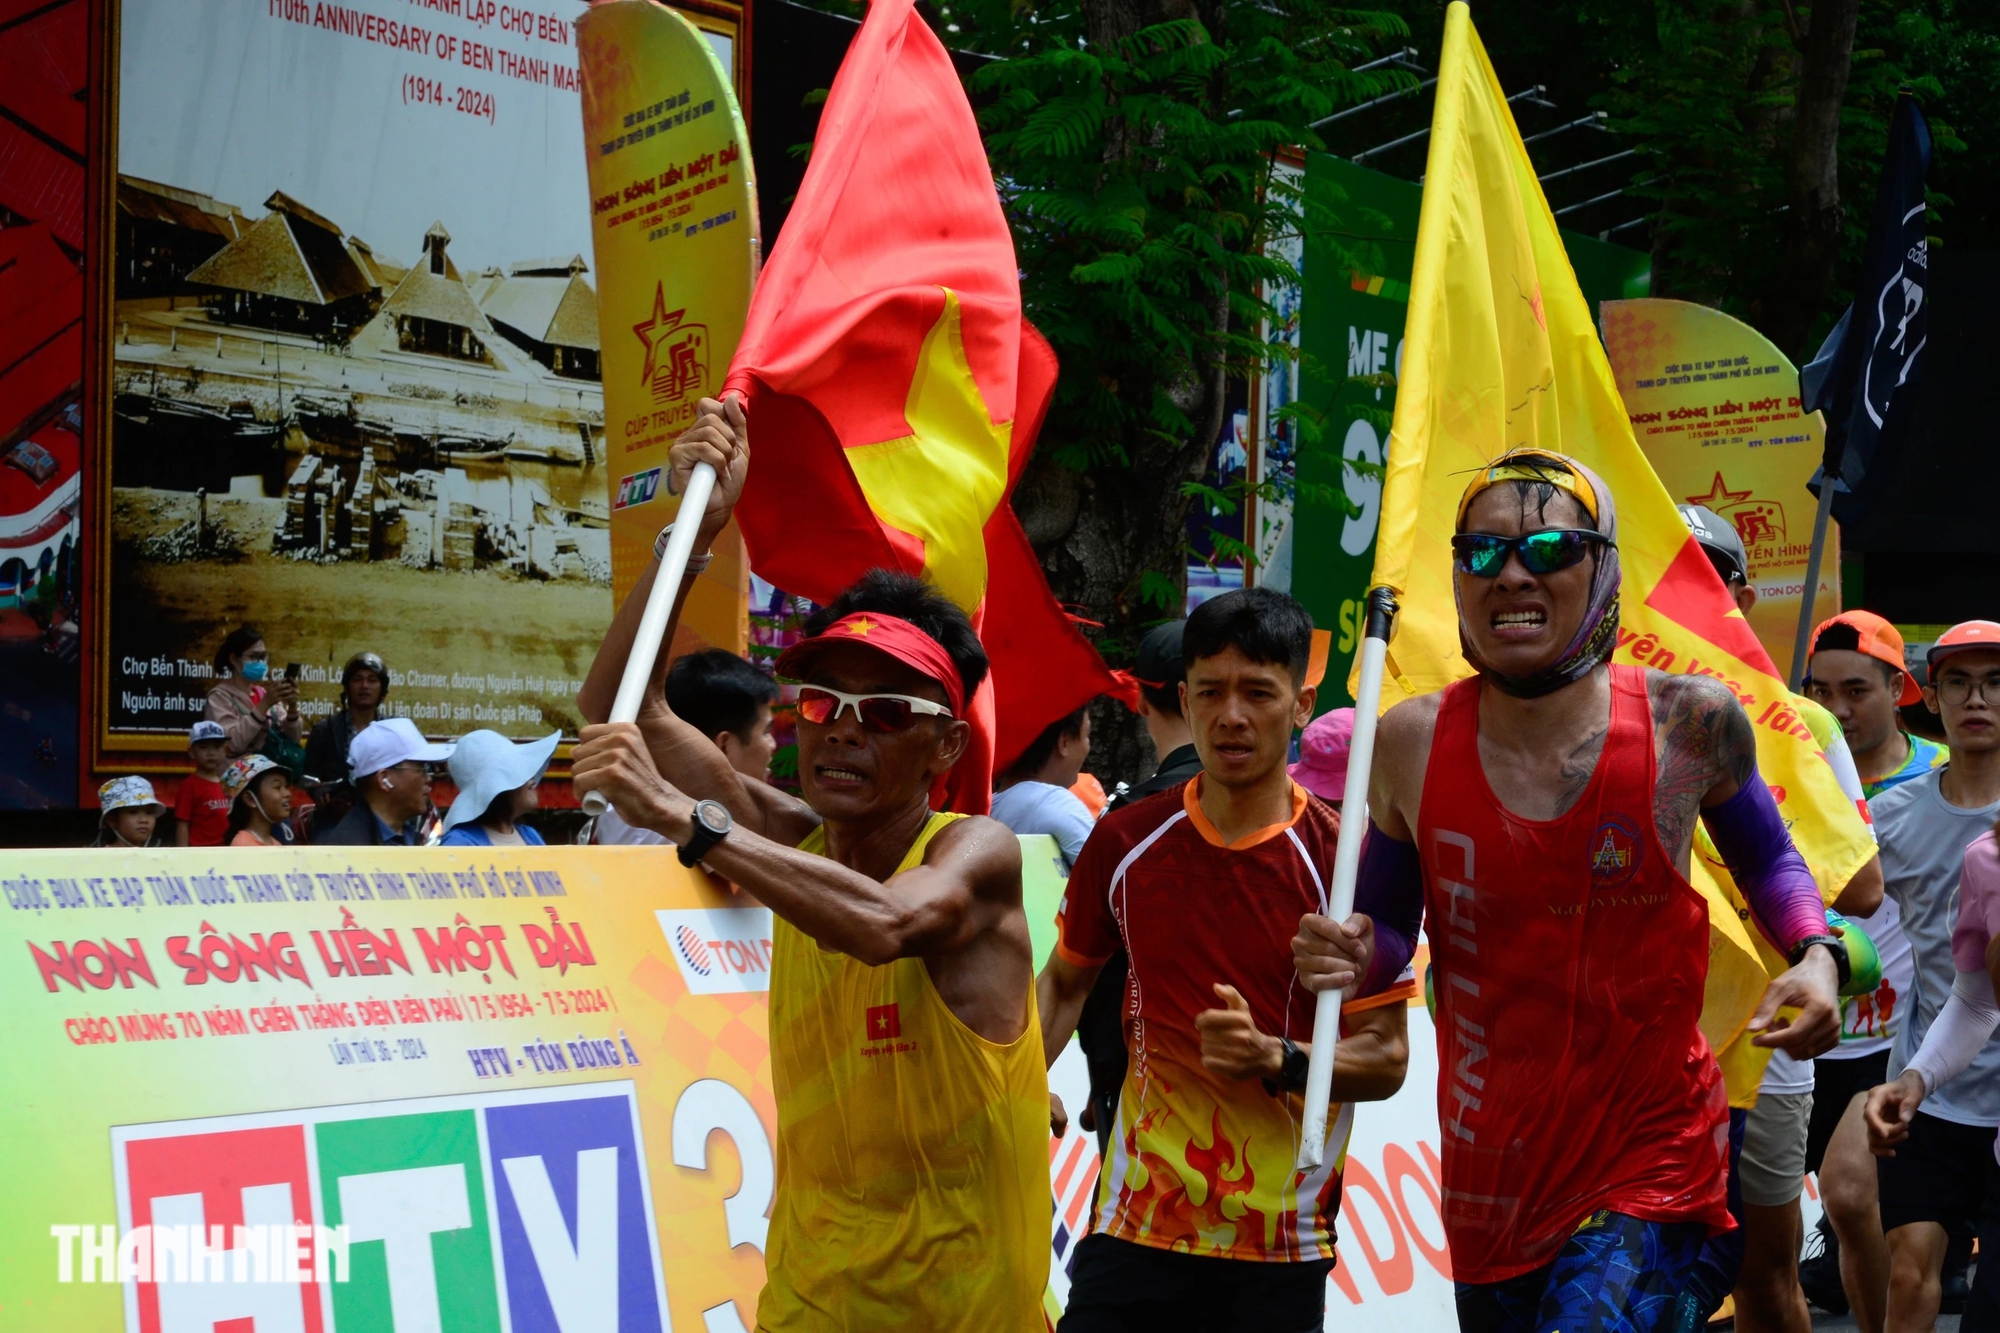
(1346,862)
(659,606)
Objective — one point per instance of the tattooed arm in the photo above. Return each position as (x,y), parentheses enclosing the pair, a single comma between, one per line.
(1707,750)
(1707,769)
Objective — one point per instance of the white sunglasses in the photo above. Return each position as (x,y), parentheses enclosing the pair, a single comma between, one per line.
(875,712)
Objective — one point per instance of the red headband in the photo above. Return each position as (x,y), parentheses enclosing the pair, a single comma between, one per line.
(890,635)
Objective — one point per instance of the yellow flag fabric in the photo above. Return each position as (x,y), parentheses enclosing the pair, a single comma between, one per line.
(1500,353)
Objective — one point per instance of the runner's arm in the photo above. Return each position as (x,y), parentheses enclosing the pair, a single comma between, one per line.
(720,437)
(1088,936)
(971,874)
(1367,952)
(1863,894)
(1060,992)
(1953,1042)
(1751,836)
(1969,1014)
(1373,1055)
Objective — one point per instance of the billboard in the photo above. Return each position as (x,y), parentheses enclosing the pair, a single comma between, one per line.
(351,388)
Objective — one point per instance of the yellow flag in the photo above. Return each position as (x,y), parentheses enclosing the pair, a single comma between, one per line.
(1499,353)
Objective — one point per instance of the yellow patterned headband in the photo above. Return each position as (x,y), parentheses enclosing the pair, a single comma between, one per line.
(1530,465)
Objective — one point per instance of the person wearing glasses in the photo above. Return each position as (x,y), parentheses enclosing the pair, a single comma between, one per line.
(912,1183)
(1543,812)
(391,764)
(1933,1124)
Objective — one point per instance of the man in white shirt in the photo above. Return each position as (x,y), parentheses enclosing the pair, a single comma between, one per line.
(1034,796)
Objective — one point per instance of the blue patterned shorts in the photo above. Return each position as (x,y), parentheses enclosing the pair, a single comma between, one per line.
(1615,1274)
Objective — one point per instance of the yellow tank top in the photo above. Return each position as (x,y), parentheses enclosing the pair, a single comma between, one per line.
(913,1157)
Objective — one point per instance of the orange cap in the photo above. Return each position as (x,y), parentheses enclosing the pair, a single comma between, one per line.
(1965,634)
(1880,640)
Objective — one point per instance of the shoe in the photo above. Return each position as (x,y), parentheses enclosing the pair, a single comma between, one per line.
(1819,1270)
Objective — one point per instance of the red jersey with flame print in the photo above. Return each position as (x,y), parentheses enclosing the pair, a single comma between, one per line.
(1199,1163)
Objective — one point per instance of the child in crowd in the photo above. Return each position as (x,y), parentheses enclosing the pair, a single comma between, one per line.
(260,797)
(131,813)
(201,807)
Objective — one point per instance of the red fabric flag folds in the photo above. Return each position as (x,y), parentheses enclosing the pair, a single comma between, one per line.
(894,388)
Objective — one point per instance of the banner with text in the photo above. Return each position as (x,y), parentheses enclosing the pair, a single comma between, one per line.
(434,1088)
(1715,407)
(674,224)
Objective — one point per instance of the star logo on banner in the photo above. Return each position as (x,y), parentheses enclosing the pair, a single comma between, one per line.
(1719,496)
(860,628)
(655,330)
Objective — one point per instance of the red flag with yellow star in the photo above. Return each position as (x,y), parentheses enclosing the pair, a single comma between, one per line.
(894,388)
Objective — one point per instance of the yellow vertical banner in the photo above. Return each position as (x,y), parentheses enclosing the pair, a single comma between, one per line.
(1715,406)
(673,206)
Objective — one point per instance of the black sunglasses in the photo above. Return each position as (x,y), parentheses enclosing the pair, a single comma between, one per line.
(1484,555)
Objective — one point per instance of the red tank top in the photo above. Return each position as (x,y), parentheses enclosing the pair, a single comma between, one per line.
(1570,957)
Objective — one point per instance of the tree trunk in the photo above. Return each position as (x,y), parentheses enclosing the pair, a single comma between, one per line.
(1813,222)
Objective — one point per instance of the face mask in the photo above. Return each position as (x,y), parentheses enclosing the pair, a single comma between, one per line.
(256,670)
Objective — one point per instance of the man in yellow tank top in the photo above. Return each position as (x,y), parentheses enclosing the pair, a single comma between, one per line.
(912,1161)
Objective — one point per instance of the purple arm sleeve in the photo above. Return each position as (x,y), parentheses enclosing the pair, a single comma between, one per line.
(1784,901)
(1389,890)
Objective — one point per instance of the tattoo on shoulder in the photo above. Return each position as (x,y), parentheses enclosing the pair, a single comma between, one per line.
(1702,738)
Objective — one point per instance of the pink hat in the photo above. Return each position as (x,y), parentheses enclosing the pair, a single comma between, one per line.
(1322,766)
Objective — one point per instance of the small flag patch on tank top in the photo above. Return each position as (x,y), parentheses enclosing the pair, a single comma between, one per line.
(884,1023)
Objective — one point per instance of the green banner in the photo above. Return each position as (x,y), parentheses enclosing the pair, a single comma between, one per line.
(1360,241)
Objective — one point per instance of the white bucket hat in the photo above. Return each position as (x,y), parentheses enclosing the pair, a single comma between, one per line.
(127,794)
(486,764)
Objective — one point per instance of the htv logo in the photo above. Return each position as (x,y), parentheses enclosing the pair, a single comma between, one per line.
(523,1211)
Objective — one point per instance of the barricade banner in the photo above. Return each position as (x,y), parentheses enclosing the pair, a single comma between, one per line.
(533,1086)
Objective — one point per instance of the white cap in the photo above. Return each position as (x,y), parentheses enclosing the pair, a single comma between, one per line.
(389,742)
(206,730)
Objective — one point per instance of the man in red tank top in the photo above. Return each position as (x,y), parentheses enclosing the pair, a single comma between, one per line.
(1542,813)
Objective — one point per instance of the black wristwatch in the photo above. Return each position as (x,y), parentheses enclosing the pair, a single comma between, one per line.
(711,825)
(1842,966)
(1292,1074)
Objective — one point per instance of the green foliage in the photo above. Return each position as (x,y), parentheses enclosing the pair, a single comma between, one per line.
(1138,178)
(1704,89)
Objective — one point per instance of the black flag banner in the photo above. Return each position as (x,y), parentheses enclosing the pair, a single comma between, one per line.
(1867,374)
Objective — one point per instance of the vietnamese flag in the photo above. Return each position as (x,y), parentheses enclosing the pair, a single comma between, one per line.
(894,388)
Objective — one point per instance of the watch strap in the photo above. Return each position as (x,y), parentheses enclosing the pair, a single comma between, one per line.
(1291,1073)
(702,840)
(1842,965)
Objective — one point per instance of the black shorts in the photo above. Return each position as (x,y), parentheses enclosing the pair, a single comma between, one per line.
(1118,1286)
(1835,1083)
(1942,1173)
